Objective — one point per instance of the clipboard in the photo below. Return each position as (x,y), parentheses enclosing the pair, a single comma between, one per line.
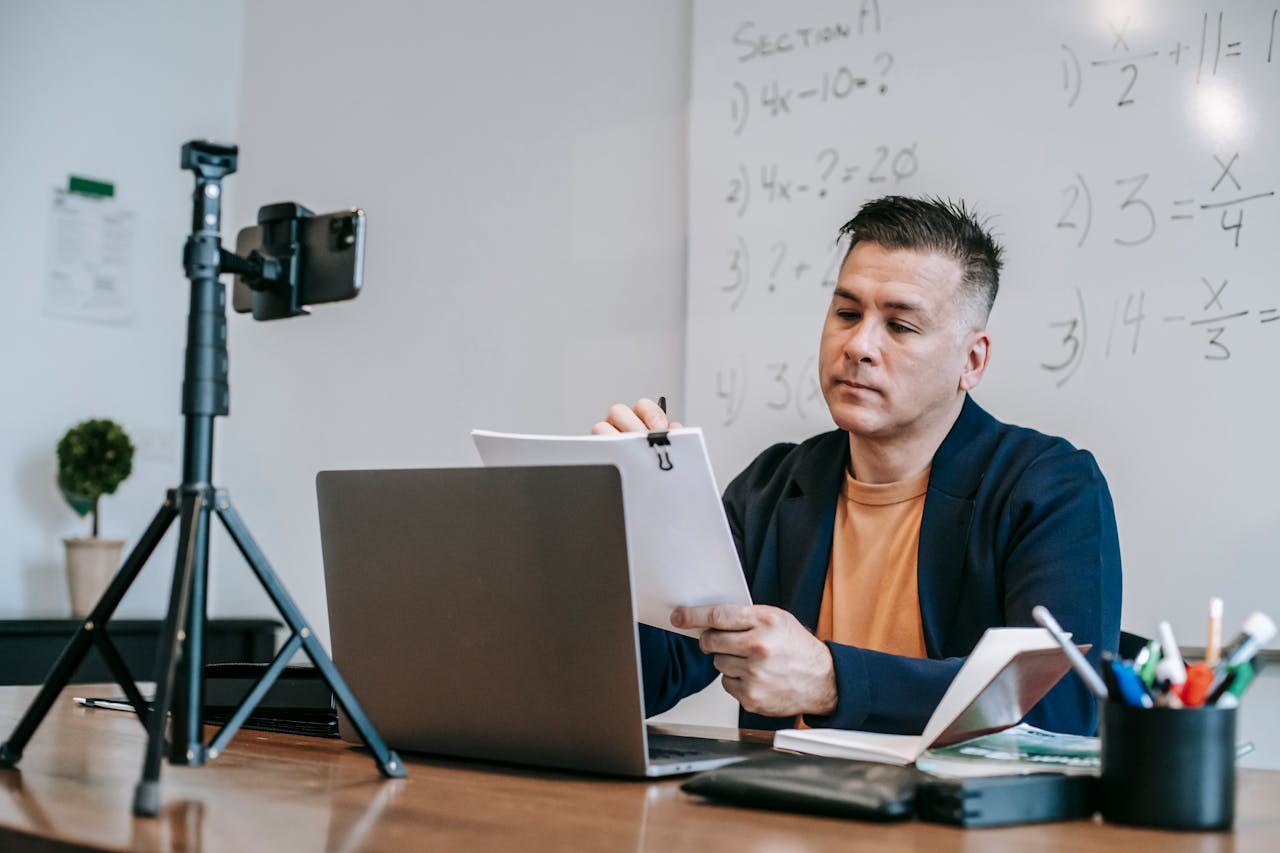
(679,546)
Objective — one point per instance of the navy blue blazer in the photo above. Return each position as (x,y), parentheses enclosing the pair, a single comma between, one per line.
(1012,518)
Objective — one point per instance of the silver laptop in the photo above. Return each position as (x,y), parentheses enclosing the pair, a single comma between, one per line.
(487,613)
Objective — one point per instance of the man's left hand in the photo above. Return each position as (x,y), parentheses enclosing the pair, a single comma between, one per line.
(771,663)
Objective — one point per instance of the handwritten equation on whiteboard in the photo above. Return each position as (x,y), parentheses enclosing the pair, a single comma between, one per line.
(885,165)
(1139,204)
(778,97)
(768,385)
(1220,43)
(1210,323)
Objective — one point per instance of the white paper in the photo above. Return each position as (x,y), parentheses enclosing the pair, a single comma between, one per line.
(678,540)
(88,259)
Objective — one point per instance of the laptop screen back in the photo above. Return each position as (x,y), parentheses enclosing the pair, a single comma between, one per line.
(486,612)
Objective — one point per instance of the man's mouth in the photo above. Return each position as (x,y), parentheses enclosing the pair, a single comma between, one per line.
(856,386)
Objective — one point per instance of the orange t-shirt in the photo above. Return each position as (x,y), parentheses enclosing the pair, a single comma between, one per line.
(871,599)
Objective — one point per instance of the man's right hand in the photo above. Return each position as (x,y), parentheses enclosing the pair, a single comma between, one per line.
(644,416)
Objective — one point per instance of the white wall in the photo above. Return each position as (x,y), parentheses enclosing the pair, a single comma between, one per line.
(522,168)
(109,91)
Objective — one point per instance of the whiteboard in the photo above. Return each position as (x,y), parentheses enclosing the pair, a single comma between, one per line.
(1126,156)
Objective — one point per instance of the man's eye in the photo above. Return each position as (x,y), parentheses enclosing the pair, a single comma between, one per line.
(899,327)
(848,315)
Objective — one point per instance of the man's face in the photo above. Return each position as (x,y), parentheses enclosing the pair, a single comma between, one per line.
(896,355)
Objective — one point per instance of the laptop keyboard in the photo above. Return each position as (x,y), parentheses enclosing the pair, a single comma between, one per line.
(660,753)
(664,747)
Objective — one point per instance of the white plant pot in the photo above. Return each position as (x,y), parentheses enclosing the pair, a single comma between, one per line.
(91,563)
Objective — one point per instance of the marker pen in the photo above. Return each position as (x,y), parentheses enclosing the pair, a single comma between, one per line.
(1171,666)
(1147,670)
(1130,686)
(1257,631)
(1244,677)
(1213,645)
(1196,688)
(1220,687)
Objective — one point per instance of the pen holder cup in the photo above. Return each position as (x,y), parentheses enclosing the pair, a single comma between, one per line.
(1172,768)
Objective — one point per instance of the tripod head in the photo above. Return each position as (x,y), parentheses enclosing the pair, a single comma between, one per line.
(209,160)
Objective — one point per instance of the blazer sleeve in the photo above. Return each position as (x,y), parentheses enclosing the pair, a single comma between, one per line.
(672,666)
(1064,553)
(880,692)
(1061,549)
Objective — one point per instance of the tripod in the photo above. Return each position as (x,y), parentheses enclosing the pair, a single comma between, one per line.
(180,655)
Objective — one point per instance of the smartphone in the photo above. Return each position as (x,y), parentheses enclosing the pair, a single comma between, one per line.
(330,263)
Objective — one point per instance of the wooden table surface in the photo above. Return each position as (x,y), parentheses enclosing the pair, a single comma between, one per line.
(75,783)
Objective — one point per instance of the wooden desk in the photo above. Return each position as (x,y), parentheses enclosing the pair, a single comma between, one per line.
(74,788)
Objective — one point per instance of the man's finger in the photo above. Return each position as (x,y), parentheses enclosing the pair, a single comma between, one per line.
(730,666)
(714,642)
(603,428)
(722,617)
(651,413)
(624,419)
(733,686)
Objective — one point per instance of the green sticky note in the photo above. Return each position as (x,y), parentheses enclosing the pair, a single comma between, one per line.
(89,186)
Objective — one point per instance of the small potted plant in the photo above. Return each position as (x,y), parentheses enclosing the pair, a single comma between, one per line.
(94,458)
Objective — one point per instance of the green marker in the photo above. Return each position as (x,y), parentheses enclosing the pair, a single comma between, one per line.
(1148,671)
(1244,675)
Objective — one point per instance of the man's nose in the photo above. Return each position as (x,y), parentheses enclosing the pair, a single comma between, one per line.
(863,343)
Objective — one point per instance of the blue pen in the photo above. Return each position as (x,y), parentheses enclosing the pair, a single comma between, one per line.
(1130,685)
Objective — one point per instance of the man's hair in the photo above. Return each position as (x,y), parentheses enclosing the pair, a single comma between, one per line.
(933,224)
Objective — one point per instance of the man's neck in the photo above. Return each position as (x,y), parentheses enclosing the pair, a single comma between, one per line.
(875,460)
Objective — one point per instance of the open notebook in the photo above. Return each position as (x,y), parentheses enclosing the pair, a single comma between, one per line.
(1006,674)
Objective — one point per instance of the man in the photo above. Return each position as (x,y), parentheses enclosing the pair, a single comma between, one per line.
(878,553)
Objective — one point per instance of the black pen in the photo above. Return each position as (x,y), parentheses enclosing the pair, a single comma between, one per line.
(662,404)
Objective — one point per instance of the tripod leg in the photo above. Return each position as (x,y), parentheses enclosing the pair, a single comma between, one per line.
(186,729)
(73,654)
(388,762)
(146,797)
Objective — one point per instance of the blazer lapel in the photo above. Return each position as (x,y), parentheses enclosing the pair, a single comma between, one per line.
(944,529)
(954,477)
(805,522)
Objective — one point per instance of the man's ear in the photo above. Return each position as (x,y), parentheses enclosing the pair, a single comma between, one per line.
(975,360)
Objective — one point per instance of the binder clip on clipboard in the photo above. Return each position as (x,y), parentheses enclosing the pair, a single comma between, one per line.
(658,440)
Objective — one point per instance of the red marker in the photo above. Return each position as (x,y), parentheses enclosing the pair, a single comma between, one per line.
(1196,687)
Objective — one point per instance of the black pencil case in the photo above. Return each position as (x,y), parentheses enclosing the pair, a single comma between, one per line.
(814,784)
